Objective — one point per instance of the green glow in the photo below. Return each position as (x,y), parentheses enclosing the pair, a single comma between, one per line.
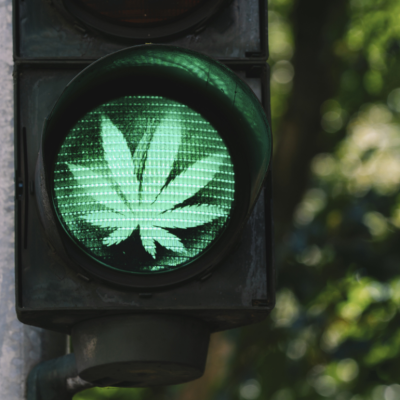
(143,184)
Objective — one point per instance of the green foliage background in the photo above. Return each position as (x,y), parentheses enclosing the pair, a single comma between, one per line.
(335,332)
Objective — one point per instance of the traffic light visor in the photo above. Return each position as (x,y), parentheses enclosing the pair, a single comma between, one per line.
(143,184)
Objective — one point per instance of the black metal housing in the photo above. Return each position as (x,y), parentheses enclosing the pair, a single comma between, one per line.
(43,32)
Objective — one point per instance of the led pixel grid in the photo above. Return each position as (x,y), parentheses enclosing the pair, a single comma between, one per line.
(143,184)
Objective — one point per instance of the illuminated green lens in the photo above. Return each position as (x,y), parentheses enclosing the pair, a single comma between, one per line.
(143,184)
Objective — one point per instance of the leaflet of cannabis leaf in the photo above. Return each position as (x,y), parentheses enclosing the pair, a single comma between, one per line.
(139,196)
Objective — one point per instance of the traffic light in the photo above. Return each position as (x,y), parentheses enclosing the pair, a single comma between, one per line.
(140,226)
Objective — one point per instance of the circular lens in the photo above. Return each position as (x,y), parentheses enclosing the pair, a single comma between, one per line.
(143,184)
(139,12)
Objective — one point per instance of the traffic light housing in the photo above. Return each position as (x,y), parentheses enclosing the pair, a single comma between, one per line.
(191,275)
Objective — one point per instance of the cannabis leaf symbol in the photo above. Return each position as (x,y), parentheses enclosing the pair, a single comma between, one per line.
(139,190)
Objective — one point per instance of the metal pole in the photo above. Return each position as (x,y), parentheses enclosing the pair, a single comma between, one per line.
(56,379)
(21,347)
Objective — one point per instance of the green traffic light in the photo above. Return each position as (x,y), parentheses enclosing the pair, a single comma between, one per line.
(198,143)
(143,184)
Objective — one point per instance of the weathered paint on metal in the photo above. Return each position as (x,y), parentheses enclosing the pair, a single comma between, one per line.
(234,33)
